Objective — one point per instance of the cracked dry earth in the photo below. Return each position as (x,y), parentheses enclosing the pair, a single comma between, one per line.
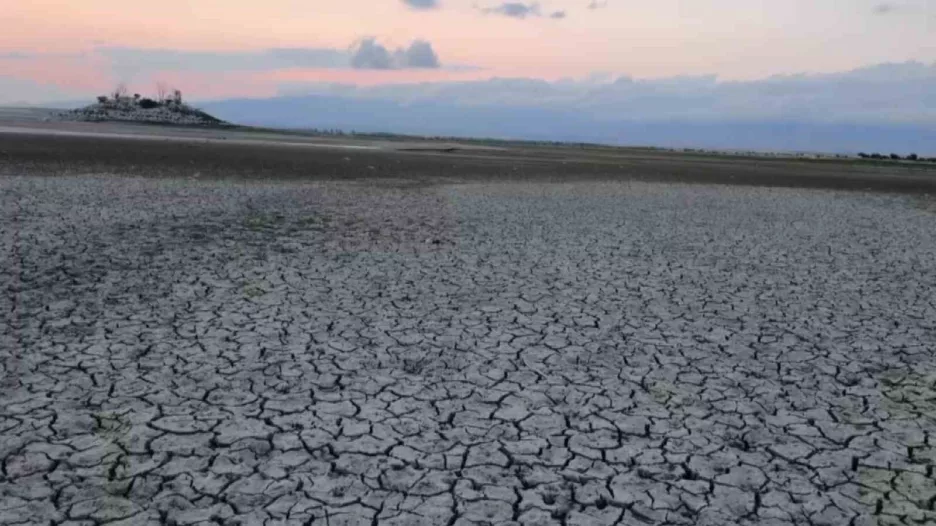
(183,352)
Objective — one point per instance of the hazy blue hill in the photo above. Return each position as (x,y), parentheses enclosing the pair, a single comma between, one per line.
(539,123)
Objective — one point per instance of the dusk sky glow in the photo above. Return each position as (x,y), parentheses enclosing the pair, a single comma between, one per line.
(222,48)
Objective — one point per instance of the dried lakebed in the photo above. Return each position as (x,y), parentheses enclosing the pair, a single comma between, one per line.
(195,352)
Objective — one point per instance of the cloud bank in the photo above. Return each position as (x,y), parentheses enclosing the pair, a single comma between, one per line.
(126,63)
(887,107)
(904,92)
(889,104)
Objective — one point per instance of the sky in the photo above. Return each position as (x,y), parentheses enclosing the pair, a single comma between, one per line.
(223,48)
(829,61)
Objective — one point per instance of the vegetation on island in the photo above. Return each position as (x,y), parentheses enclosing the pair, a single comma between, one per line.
(166,107)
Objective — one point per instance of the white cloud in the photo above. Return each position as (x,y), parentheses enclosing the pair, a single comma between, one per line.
(904,92)
(422,4)
(520,10)
(883,9)
(514,9)
(367,53)
(419,54)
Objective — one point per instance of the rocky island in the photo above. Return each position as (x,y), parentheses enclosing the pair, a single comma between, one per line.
(164,109)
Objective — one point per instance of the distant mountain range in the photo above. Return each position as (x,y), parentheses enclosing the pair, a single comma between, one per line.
(511,121)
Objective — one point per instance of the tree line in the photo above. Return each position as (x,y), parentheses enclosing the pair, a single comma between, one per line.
(164,97)
(896,157)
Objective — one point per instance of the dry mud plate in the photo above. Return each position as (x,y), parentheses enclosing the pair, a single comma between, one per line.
(183,352)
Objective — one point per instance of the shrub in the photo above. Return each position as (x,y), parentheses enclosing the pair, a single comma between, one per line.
(102,99)
(913,157)
(895,157)
(147,103)
(863,155)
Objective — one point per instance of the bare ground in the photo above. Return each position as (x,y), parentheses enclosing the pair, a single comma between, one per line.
(206,333)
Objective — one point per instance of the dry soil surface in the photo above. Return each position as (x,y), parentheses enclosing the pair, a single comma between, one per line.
(221,335)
